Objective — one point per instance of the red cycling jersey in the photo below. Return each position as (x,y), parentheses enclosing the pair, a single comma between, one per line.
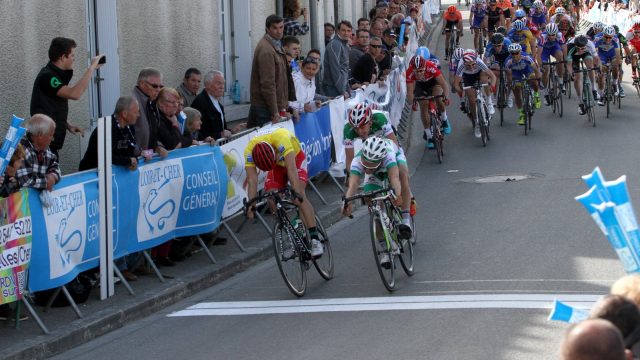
(431,72)
(634,42)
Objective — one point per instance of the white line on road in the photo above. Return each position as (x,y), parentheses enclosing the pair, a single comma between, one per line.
(480,301)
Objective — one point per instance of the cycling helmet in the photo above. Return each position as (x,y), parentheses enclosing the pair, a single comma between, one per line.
(424,52)
(636,21)
(501,30)
(452,9)
(457,53)
(537,4)
(560,11)
(418,61)
(469,55)
(581,41)
(493,2)
(518,25)
(551,29)
(497,39)
(374,148)
(515,48)
(520,13)
(609,31)
(478,2)
(359,115)
(598,25)
(264,156)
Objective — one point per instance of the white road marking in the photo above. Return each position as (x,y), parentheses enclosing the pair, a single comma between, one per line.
(443,302)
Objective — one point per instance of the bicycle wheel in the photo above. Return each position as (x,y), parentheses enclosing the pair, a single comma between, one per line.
(559,103)
(502,103)
(288,258)
(437,138)
(607,92)
(636,84)
(405,247)
(414,233)
(480,119)
(619,97)
(525,105)
(324,264)
(387,274)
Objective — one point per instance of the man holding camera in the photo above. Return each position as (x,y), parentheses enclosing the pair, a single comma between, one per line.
(51,89)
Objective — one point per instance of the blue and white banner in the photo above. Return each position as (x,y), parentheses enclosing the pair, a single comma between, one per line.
(181,195)
(314,132)
(11,140)
(567,313)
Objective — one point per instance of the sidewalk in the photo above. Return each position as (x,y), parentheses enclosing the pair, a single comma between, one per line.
(186,278)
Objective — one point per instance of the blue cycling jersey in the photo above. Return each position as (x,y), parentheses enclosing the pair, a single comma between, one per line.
(606,50)
(521,68)
(490,51)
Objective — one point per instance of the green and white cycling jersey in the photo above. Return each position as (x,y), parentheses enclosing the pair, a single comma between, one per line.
(395,157)
(380,126)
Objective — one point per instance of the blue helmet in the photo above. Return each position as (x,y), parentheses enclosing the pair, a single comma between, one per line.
(520,13)
(424,52)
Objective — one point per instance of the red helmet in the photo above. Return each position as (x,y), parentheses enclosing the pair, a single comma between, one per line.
(452,9)
(264,156)
(359,115)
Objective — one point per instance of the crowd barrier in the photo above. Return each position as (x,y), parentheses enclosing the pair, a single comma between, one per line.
(193,191)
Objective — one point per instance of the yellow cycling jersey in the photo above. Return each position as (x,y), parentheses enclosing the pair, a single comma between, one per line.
(527,40)
(282,140)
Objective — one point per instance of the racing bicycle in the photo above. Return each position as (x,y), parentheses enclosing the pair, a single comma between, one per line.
(482,113)
(436,124)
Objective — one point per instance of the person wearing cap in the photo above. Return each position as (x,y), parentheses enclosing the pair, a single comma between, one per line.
(382,9)
(389,39)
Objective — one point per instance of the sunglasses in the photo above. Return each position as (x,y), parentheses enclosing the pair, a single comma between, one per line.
(608,37)
(155,86)
(366,163)
(376,46)
(581,48)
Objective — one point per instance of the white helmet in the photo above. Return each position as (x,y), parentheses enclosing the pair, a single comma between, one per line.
(598,25)
(560,11)
(515,48)
(551,29)
(518,25)
(457,53)
(374,148)
(609,31)
(537,4)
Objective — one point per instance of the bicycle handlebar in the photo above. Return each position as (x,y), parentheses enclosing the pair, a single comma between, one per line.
(476,86)
(553,63)
(275,194)
(419,98)
(388,190)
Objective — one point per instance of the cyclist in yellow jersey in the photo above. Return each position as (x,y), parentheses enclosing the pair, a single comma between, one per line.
(521,34)
(278,151)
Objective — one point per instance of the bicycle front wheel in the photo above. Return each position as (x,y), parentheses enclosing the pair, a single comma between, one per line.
(324,264)
(380,250)
(288,258)
(438,138)
(480,118)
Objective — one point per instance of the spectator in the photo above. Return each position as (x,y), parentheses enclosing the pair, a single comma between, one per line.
(359,48)
(329,32)
(210,108)
(190,85)
(377,27)
(394,8)
(193,124)
(389,40)
(292,11)
(291,47)
(271,82)
(366,70)
(40,167)
(146,92)
(382,9)
(304,80)
(124,152)
(336,62)
(620,311)
(51,89)
(169,134)
(593,339)
(396,22)
(363,24)
(8,182)
(629,287)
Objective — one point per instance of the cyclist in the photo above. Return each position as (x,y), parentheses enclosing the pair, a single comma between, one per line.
(506,7)
(376,164)
(425,79)
(624,44)
(472,70)
(594,30)
(453,67)
(525,5)
(609,54)
(496,56)
(522,16)
(452,19)
(581,48)
(564,22)
(478,20)
(522,68)
(425,53)
(522,35)
(634,41)
(495,17)
(538,15)
(278,151)
(364,123)
(550,44)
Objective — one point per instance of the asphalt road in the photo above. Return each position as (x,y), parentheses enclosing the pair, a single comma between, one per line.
(487,249)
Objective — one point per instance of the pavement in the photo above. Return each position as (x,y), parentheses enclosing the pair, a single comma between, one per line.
(187,278)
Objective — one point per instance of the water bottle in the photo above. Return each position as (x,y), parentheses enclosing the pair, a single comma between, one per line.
(236,92)
(298,226)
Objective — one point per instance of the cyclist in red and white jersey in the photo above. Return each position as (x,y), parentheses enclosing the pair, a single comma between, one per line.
(634,47)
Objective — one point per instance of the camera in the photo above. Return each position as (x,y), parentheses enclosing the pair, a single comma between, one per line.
(103,59)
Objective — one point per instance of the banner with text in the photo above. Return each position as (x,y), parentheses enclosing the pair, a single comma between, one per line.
(15,246)
(314,132)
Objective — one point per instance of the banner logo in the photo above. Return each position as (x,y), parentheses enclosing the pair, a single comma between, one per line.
(158,183)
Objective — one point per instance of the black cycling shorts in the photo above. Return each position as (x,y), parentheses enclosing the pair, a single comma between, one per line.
(470,79)
(423,88)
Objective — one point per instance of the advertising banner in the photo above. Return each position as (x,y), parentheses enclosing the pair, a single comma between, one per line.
(15,246)
(314,132)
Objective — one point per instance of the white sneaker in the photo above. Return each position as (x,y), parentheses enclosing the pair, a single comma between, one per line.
(510,101)
(476,131)
(492,110)
(385,262)
(316,248)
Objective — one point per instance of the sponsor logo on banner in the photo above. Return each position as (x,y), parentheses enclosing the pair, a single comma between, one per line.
(15,246)
(233,155)
(158,183)
(65,221)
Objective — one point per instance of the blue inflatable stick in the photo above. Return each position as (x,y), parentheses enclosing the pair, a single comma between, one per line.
(596,179)
(589,199)
(617,191)
(401,36)
(618,237)
(566,313)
